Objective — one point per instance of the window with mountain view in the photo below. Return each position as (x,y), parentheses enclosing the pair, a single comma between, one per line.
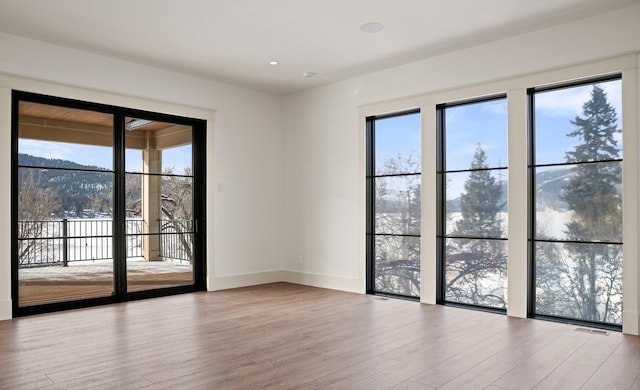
(106,203)
(393,204)
(65,203)
(473,182)
(576,189)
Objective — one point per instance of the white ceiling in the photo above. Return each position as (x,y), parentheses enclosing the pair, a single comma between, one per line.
(234,40)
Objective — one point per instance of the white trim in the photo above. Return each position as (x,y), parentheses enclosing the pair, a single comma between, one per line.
(6,309)
(5,204)
(536,79)
(243,280)
(630,199)
(308,279)
(324,281)
(517,267)
(428,207)
(9,83)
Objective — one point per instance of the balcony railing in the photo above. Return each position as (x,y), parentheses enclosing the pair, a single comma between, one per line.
(61,242)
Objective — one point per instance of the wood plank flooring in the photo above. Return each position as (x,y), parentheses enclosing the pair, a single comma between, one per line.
(284,336)
(42,290)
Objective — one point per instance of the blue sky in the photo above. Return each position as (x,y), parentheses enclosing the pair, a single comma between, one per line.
(486,124)
(102,156)
(554,111)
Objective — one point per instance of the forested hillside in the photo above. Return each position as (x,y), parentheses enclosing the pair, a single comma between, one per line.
(81,190)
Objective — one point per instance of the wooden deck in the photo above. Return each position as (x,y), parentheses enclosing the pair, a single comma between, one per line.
(44,290)
(284,336)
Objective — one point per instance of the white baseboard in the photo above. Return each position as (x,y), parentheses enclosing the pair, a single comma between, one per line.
(325,281)
(6,309)
(631,323)
(244,280)
(303,278)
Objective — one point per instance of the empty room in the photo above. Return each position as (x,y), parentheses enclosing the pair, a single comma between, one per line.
(296,194)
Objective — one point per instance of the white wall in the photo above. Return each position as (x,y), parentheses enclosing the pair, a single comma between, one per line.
(324,142)
(292,168)
(244,146)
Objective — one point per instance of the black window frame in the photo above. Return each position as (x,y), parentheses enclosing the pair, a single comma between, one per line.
(441,199)
(371,177)
(531,199)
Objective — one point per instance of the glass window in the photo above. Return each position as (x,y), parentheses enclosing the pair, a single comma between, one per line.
(577,201)
(65,204)
(473,181)
(159,189)
(393,214)
(101,220)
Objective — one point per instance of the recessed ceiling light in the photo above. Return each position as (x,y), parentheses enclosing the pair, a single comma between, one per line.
(308,74)
(273,62)
(371,27)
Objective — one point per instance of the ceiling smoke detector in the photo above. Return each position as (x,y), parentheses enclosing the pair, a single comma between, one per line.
(372,27)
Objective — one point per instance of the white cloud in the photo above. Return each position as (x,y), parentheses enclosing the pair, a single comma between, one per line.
(497,107)
(568,102)
(52,150)
(562,102)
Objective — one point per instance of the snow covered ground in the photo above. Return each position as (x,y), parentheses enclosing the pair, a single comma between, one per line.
(81,270)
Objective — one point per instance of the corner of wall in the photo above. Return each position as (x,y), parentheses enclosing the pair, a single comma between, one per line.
(5,309)
(631,323)
(244,280)
(5,205)
(354,285)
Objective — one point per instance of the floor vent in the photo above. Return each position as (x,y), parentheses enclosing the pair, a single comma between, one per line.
(592,331)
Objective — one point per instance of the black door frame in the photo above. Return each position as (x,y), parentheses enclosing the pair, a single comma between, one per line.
(119,244)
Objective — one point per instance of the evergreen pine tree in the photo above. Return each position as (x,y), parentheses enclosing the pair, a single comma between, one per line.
(476,266)
(593,272)
(481,201)
(592,194)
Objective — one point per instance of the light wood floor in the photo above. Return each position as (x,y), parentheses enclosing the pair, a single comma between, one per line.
(43,290)
(284,336)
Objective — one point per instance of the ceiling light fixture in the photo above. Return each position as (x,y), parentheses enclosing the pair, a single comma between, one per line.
(274,63)
(371,27)
(137,123)
(308,74)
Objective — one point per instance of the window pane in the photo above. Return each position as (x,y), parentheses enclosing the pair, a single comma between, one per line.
(158,147)
(476,272)
(159,199)
(476,203)
(470,126)
(560,117)
(397,265)
(393,253)
(61,137)
(65,204)
(579,202)
(580,281)
(475,144)
(398,205)
(397,144)
(172,268)
(177,160)
(133,160)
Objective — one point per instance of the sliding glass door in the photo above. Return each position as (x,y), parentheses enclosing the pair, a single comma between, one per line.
(159,200)
(64,204)
(105,204)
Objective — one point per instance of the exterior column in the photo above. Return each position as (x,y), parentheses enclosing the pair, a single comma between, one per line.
(151,204)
